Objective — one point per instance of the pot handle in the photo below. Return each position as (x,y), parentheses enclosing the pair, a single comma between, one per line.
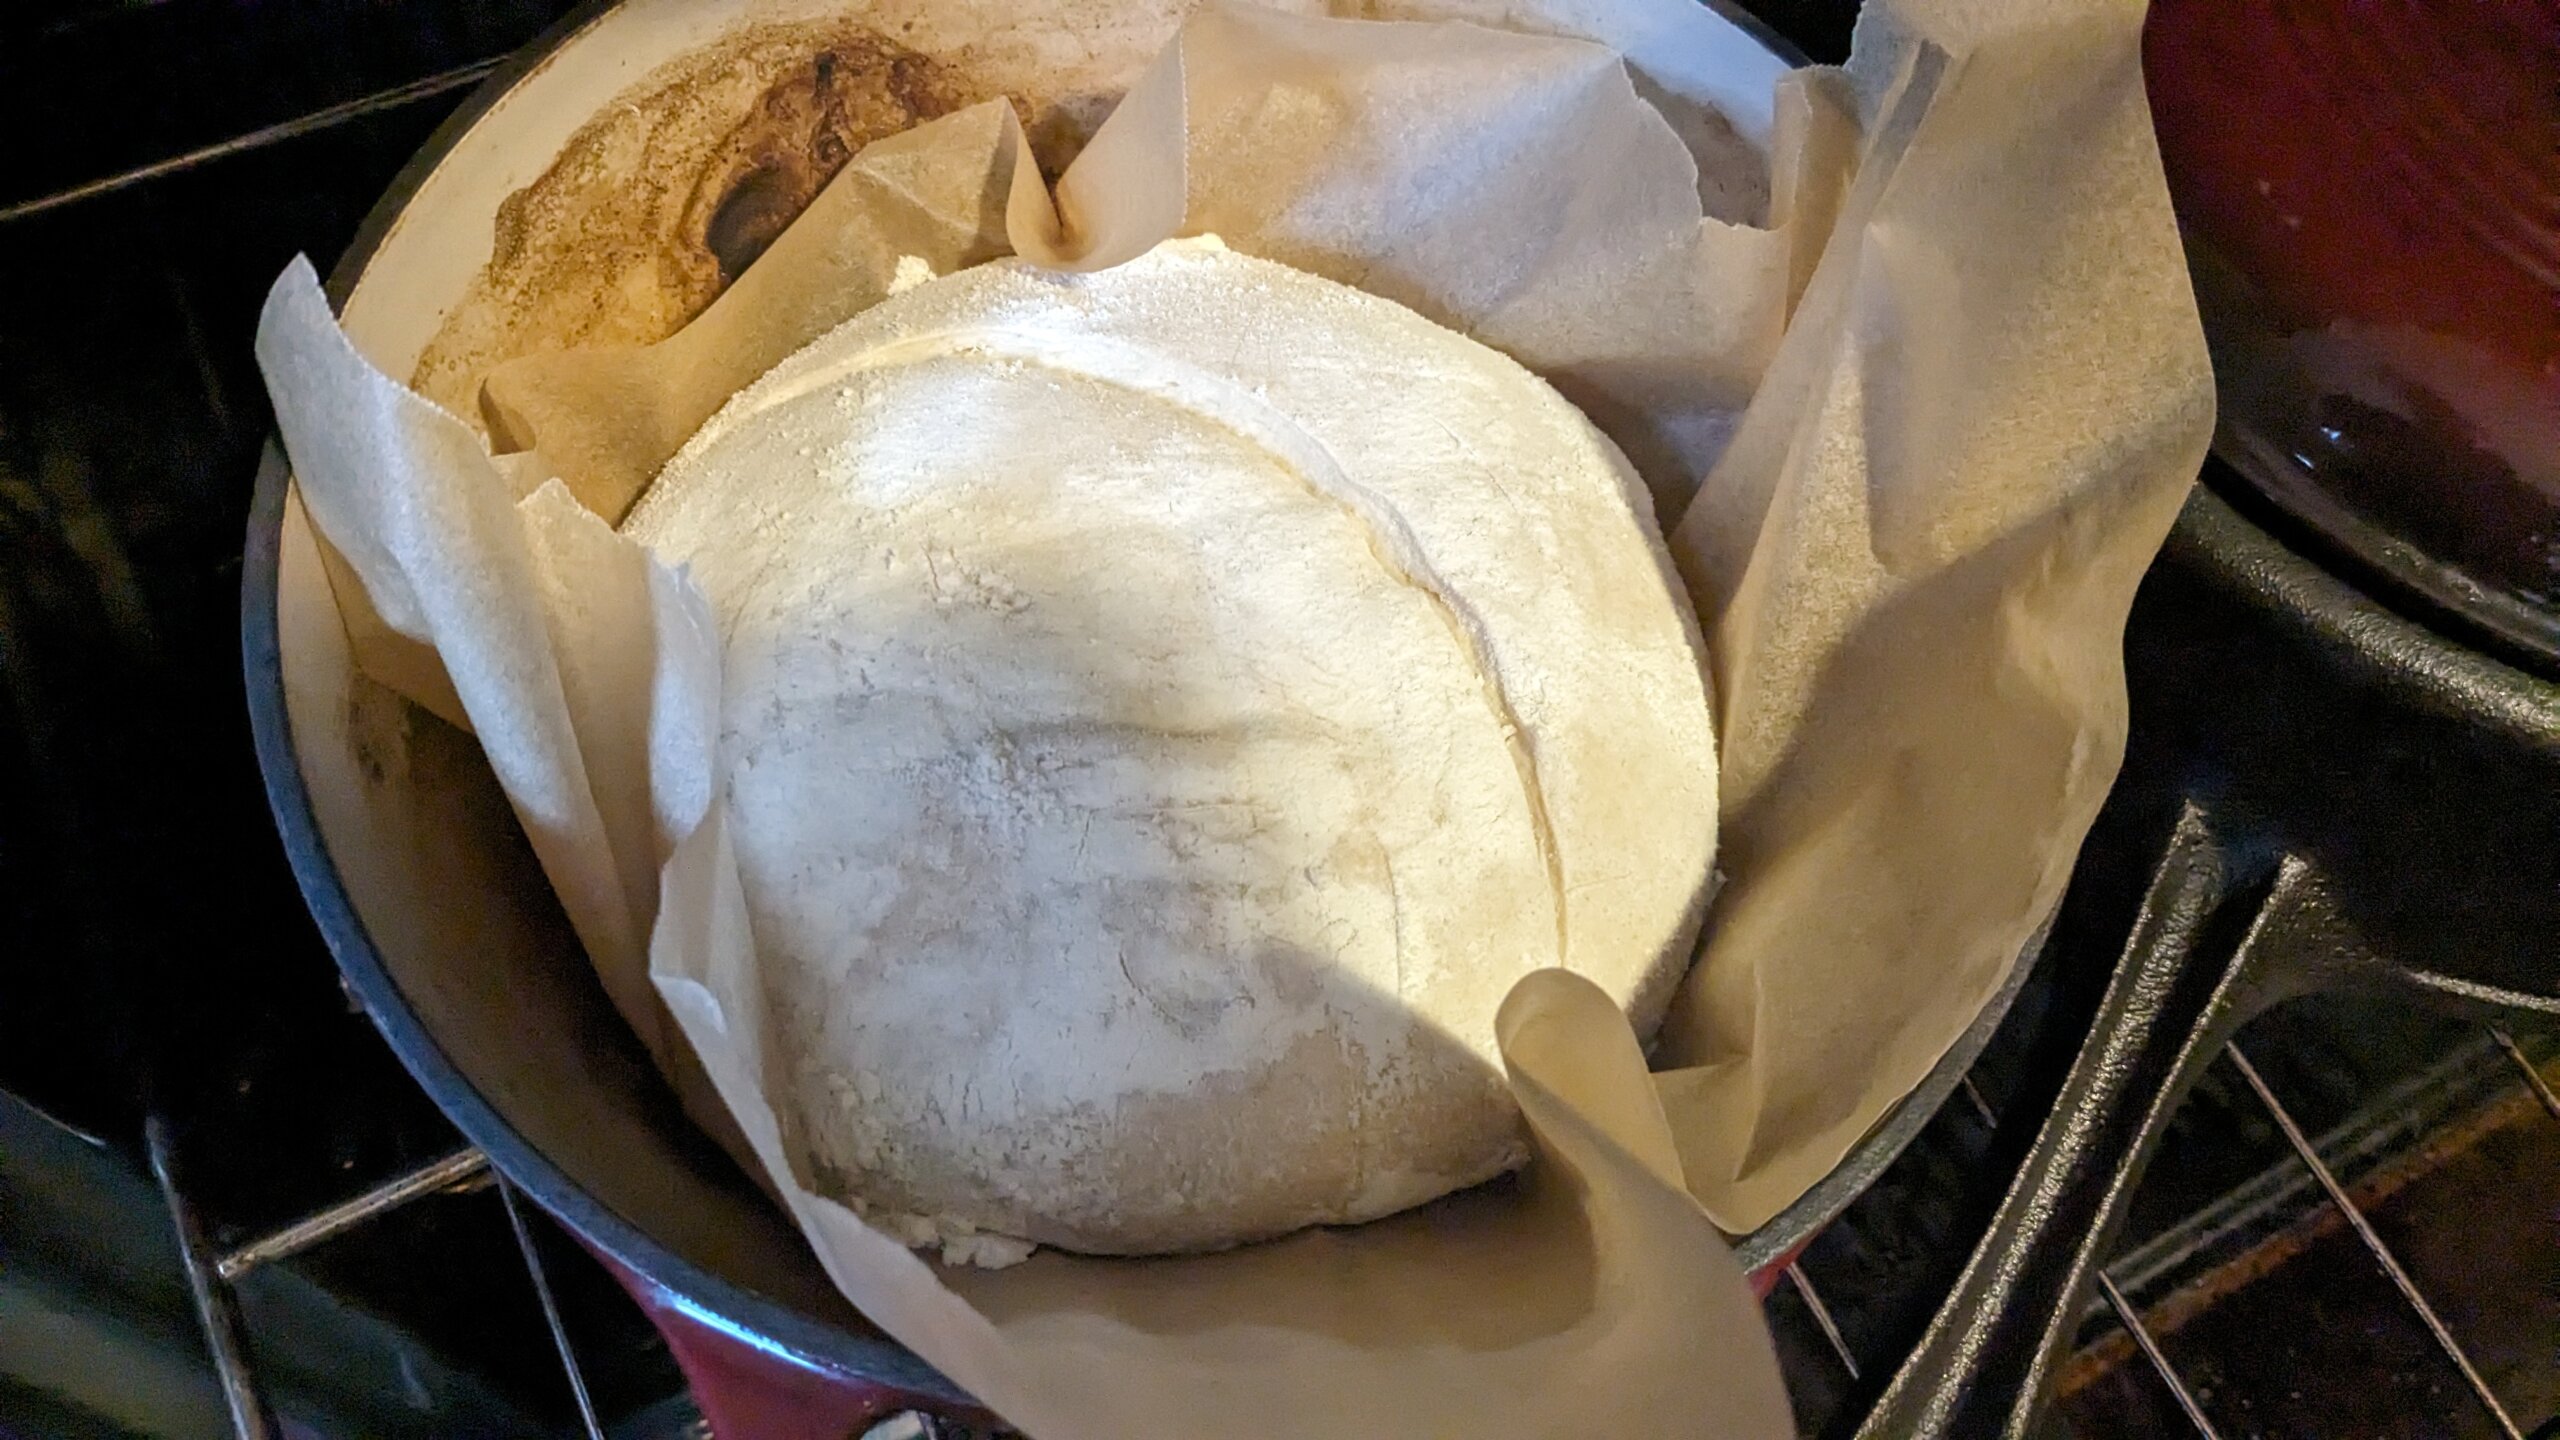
(2194,968)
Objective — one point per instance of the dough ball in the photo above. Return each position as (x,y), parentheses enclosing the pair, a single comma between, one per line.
(1165,710)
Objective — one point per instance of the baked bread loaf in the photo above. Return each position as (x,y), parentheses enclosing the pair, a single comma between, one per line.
(1165,710)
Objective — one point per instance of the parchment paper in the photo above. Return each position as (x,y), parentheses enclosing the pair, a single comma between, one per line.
(1914,565)
(1946,390)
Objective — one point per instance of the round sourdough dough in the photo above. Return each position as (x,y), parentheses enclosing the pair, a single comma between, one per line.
(1165,711)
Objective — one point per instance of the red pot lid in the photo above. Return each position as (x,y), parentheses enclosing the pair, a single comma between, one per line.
(2370,191)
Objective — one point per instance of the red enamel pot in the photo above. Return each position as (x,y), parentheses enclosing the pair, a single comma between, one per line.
(426,892)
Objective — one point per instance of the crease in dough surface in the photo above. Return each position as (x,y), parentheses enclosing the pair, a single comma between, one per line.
(1153,373)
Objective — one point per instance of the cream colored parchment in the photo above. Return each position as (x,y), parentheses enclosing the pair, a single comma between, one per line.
(1934,378)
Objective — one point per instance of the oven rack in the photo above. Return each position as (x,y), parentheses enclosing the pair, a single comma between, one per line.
(212,1271)
(2117,1311)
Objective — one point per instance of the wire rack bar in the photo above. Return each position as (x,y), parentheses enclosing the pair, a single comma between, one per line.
(454,1169)
(2533,1080)
(217,1312)
(2381,1253)
(420,89)
(1982,1110)
(550,1311)
(1822,1317)
(2131,1319)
